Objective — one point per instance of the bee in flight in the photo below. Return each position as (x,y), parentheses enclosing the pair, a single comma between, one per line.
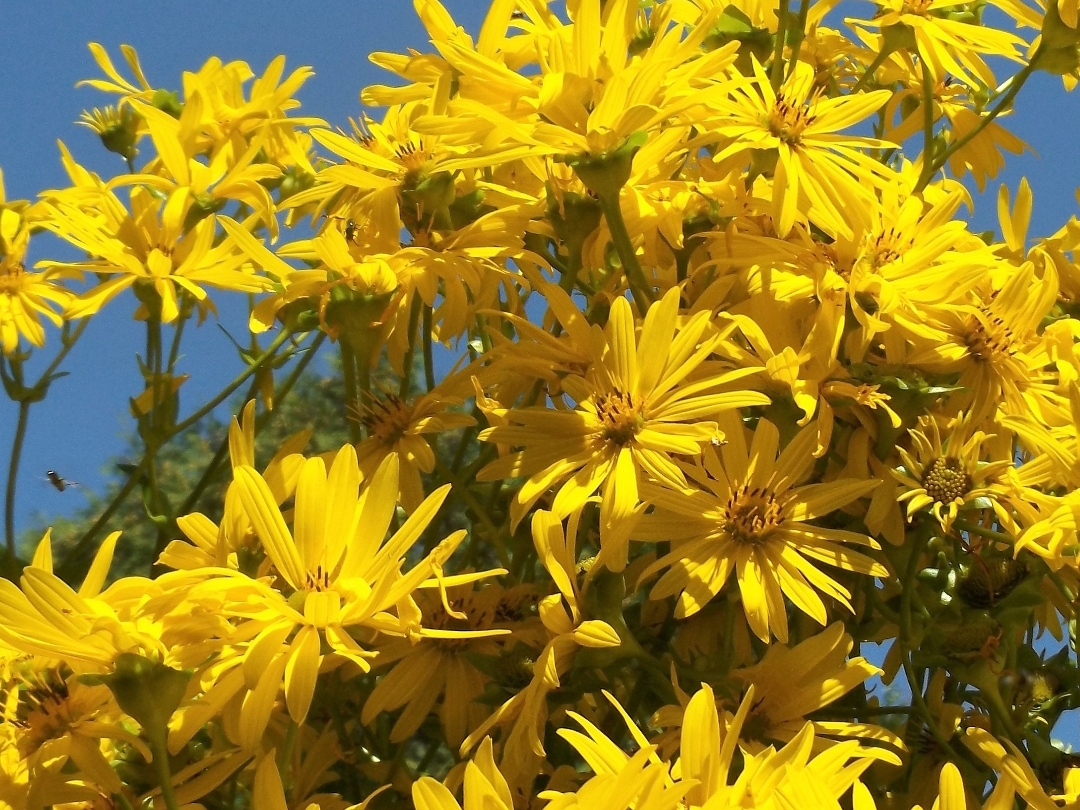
(58,483)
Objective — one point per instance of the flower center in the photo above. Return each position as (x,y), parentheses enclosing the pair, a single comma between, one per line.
(751,514)
(388,419)
(988,340)
(620,417)
(413,157)
(945,480)
(44,713)
(788,121)
(11,277)
(920,7)
(317,580)
(886,247)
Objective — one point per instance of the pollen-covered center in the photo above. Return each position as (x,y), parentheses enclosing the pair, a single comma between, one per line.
(412,156)
(11,277)
(920,7)
(620,416)
(788,120)
(387,419)
(945,480)
(751,514)
(886,247)
(317,580)
(988,339)
(44,713)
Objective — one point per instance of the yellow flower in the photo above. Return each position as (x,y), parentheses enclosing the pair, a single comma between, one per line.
(815,167)
(631,416)
(749,515)
(947,476)
(527,711)
(60,718)
(233,542)
(436,661)
(792,682)
(332,572)
(1015,775)
(25,297)
(183,166)
(949,46)
(84,629)
(399,427)
(147,248)
(995,341)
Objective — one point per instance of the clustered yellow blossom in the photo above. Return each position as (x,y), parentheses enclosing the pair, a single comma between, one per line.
(700,454)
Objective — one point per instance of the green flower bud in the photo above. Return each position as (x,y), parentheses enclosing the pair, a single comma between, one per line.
(148,691)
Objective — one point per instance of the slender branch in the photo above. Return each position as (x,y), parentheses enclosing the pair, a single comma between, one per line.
(776,69)
(174,349)
(67,344)
(260,421)
(928,124)
(13,473)
(871,69)
(989,534)
(161,769)
(804,10)
(620,237)
(352,396)
(429,361)
(1003,103)
(410,354)
(907,589)
(263,359)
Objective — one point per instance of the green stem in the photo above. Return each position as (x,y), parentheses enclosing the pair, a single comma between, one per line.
(928,124)
(285,756)
(410,354)
(429,361)
(1004,102)
(161,769)
(776,69)
(904,640)
(227,391)
(352,395)
(13,472)
(804,10)
(67,344)
(989,534)
(879,60)
(122,800)
(620,237)
(223,448)
(174,349)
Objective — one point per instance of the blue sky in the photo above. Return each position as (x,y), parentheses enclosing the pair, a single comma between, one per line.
(83,422)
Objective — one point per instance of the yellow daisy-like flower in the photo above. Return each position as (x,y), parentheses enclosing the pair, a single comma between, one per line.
(147,247)
(437,661)
(949,46)
(399,427)
(995,340)
(792,682)
(815,167)
(750,516)
(25,297)
(632,415)
(946,476)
